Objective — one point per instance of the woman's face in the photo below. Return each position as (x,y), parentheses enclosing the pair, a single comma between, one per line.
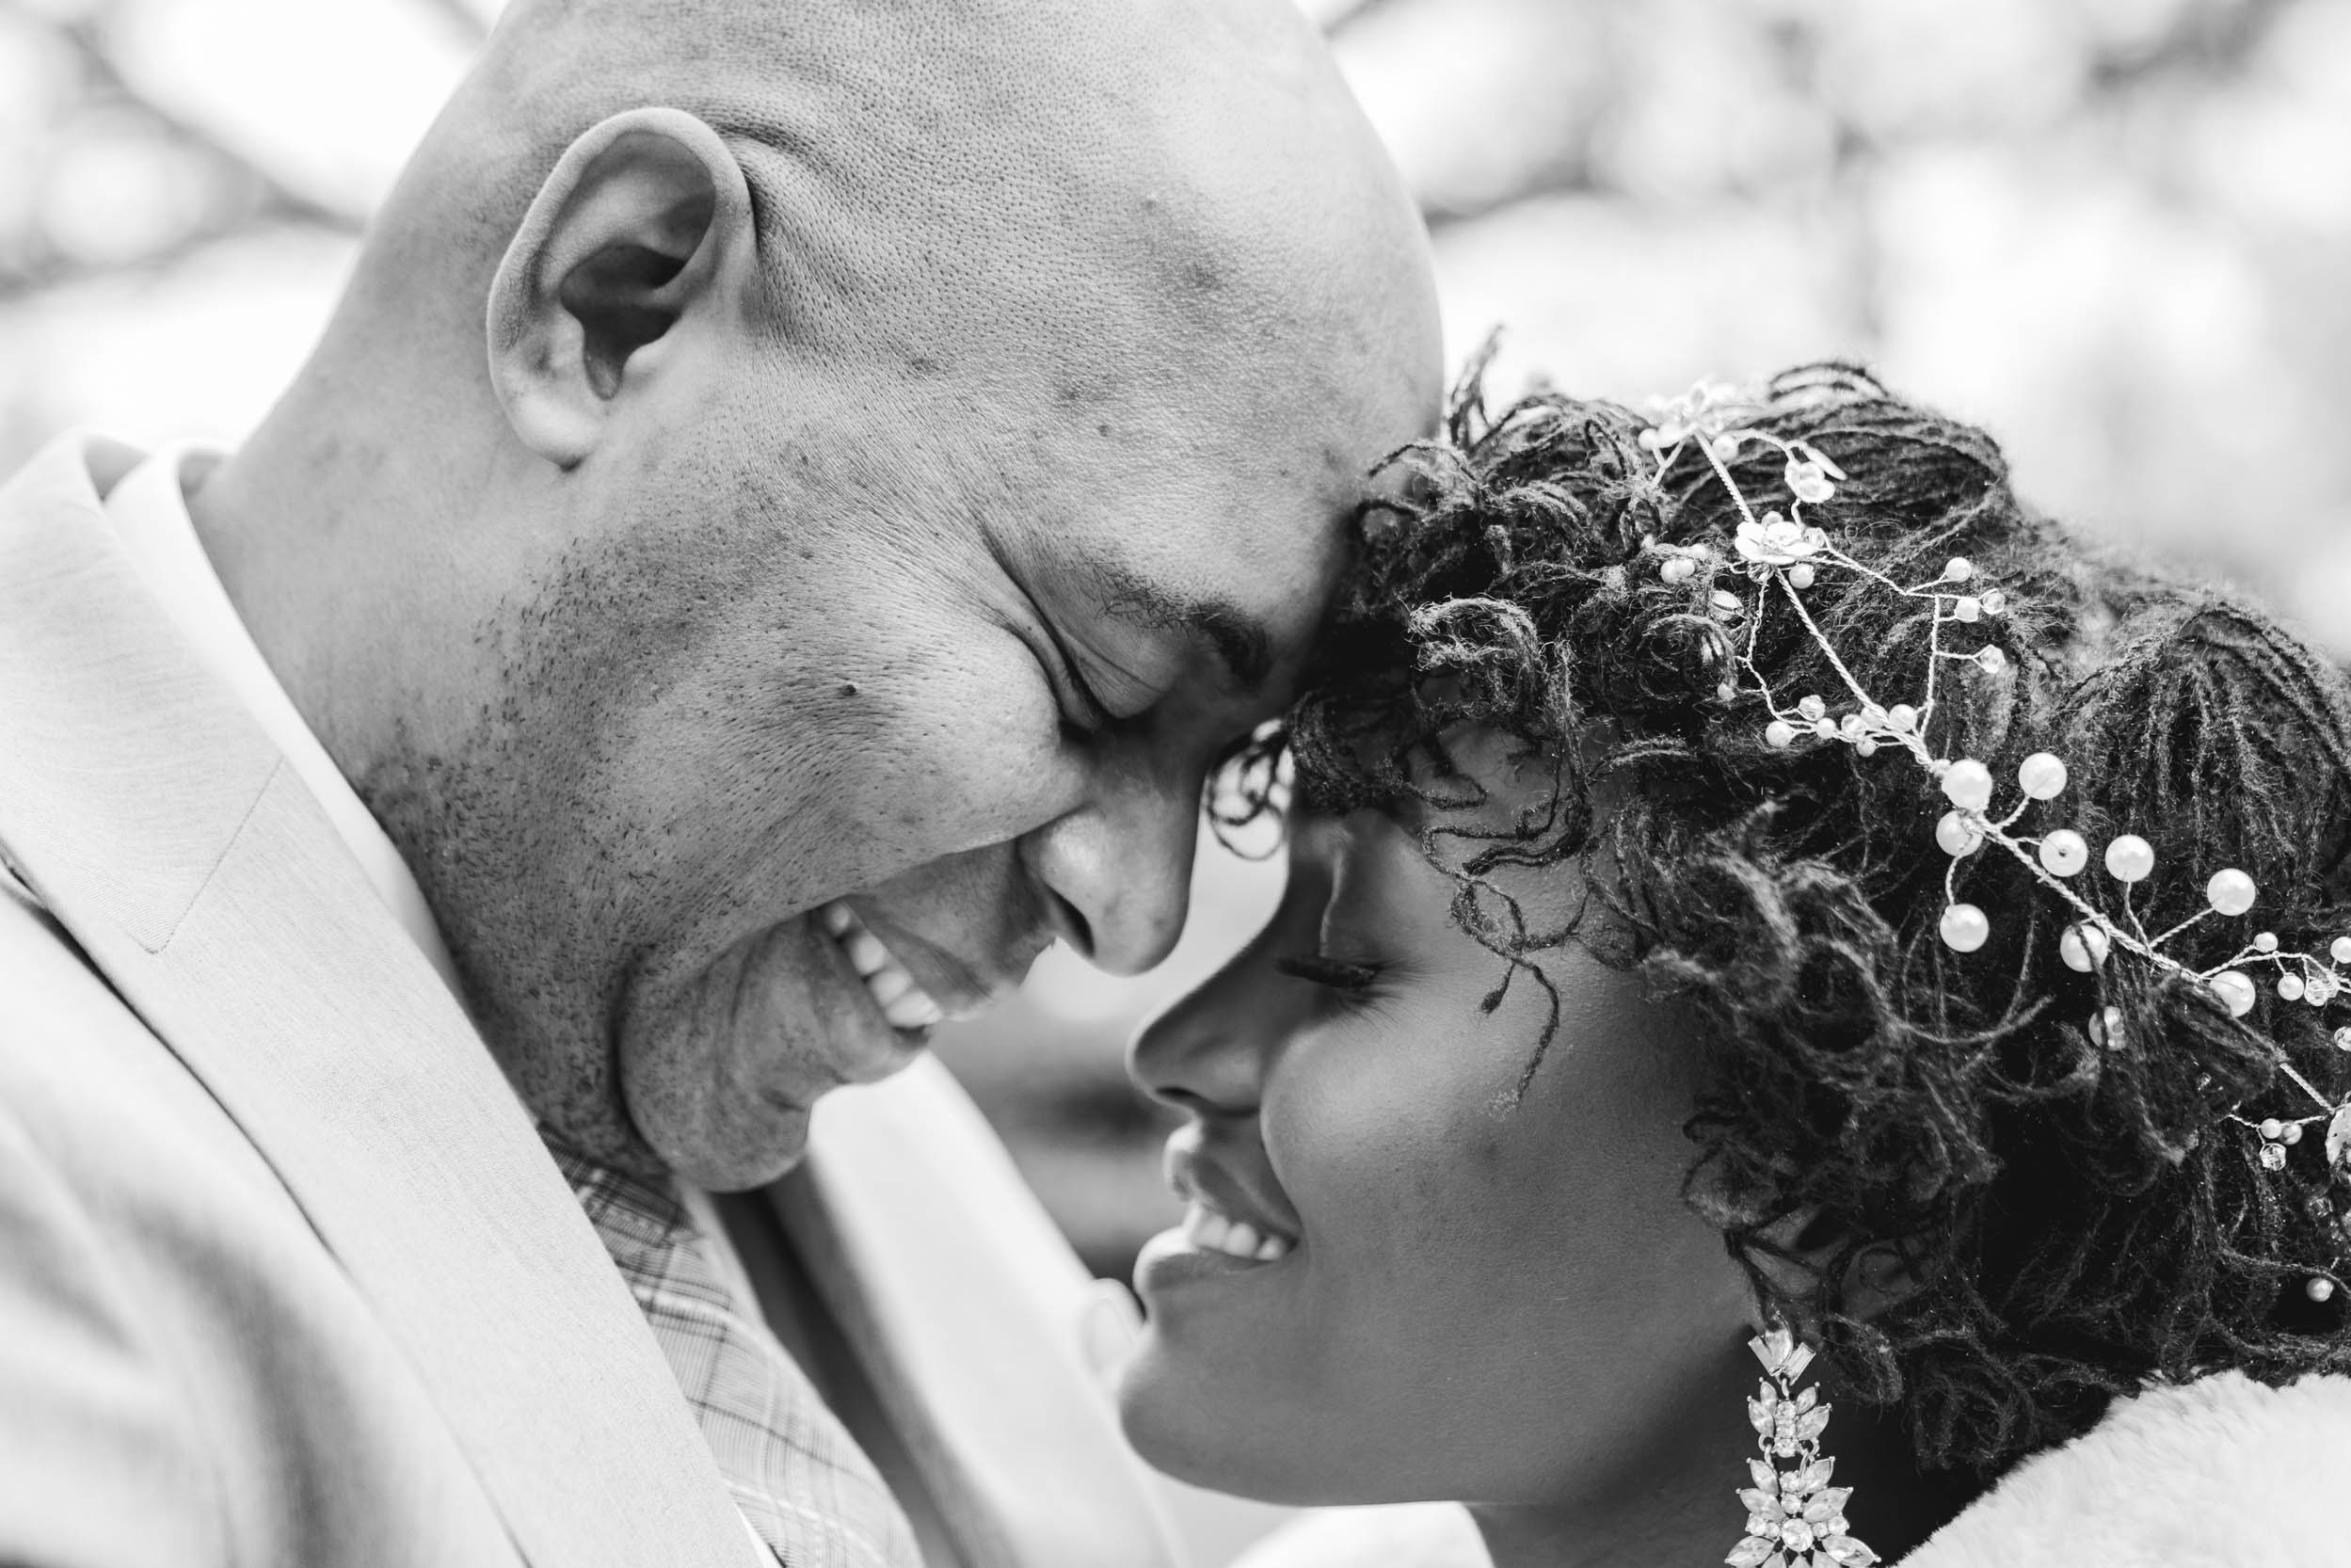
(1446,1296)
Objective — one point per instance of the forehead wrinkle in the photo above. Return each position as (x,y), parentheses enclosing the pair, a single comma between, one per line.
(1239,639)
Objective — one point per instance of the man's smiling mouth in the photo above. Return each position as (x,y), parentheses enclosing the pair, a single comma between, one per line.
(905,1004)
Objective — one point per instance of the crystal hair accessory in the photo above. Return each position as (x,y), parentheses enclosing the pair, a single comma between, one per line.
(1783,554)
(1794,1518)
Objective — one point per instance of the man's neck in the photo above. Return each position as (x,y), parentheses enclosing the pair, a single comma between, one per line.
(264,552)
(319,544)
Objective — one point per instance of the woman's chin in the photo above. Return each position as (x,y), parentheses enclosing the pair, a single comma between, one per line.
(1188,1423)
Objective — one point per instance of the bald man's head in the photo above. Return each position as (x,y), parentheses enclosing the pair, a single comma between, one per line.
(822,483)
(1069,192)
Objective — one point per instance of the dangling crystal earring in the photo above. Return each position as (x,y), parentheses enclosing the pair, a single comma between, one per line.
(1794,1518)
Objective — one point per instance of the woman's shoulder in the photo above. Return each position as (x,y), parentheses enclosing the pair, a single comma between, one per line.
(2221,1470)
(1399,1535)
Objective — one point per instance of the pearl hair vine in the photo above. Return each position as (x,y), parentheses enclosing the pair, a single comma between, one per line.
(1783,554)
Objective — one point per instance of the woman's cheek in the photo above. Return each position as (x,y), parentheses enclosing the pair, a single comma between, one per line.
(1383,1129)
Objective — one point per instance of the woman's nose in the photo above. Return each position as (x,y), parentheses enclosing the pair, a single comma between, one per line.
(1207,1051)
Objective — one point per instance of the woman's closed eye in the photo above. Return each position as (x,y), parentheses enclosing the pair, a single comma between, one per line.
(1335,973)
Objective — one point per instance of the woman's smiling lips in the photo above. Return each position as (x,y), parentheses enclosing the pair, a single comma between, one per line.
(1226,1227)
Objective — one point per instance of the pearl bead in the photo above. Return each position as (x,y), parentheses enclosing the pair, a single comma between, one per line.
(1965,928)
(2130,858)
(1811,707)
(1968,783)
(2320,1289)
(2106,1026)
(2290,986)
(2229,891)
(1992,661)
(1957,569)
(1826,729)
(1724,447)
(2293,1133)
(1780,734)
(1866,746)
(1956,835)
(2235,990)
(1966,610)
(2041,776)
(1902,718)
(2340,947)
(2270,1127)
(1800,575)
(2084,946)
(2342,1038)
(2063,851)
(1677,568)
(2266,941)
(1850,726)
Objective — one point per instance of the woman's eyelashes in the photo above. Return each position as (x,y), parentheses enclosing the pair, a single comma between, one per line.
(1335,974)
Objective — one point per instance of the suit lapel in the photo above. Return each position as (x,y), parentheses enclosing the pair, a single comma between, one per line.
(158,825)
(907,1200)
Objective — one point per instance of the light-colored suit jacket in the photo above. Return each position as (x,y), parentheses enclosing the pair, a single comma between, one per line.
(286,1276)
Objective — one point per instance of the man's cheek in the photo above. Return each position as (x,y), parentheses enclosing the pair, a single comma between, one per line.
(972,754)
(879,749)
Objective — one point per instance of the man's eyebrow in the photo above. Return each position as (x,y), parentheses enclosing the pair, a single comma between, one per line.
(1239,638)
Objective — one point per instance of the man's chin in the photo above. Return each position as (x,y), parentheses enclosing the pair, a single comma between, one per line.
(727,1169)
(729,1159)
(728,1147)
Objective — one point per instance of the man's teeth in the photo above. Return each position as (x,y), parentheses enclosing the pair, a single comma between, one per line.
(1210,1231)
(905,1004)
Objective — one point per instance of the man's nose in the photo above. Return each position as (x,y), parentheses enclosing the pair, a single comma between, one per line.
(1119,870)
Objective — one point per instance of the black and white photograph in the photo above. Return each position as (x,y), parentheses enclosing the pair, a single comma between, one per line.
(1174,783)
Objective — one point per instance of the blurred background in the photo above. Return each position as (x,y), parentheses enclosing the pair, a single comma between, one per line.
(2118,233)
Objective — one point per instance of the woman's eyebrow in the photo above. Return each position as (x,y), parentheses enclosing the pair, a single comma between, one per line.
(1239,639)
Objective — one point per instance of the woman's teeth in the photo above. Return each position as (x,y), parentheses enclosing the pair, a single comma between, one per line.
(1210,1231)
(905,1004)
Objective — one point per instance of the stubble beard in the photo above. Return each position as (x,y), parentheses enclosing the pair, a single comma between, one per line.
(533,948)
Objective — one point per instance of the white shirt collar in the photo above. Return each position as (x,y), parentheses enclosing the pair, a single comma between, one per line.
(149,510)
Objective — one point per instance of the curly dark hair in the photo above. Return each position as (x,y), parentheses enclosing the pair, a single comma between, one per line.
(2082,1217)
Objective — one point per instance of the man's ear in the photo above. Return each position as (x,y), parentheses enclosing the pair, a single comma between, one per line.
(645,219)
